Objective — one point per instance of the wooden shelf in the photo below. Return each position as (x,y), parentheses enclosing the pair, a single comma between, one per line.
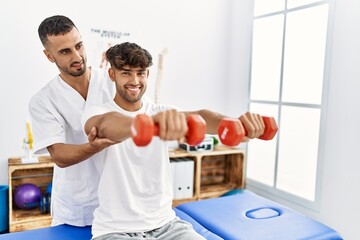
(216,172)
(39,174)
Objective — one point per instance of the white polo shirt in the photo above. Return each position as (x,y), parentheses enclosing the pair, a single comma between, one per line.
(56,112)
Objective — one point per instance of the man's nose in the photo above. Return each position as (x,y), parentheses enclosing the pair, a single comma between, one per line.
(77,57)
(135,79)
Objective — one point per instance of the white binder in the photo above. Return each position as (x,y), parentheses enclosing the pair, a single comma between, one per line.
(187,172)
(178,179)
(182,170)
(176,191)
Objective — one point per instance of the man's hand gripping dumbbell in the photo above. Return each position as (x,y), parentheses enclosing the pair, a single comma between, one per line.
(231,131)
(170,125)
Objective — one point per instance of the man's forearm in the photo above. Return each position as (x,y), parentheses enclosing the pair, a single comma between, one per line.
(112,125)
(211,118)
(65,155)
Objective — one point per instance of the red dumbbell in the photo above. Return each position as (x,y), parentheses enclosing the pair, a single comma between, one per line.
(143,129)
(231,131)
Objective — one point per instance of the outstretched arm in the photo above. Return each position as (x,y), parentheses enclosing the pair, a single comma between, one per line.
(211,118)
(117,127)
(253,123)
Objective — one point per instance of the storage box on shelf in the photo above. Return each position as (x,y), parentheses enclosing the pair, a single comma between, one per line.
(216,172)
(39,174)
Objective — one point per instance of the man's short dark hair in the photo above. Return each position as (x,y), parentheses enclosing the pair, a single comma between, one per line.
(128,54)
(53,26)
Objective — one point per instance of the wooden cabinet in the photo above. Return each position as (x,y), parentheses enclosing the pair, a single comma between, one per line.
(39,174)
(215,173)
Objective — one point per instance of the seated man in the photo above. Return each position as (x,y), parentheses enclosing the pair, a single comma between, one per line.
(135,189)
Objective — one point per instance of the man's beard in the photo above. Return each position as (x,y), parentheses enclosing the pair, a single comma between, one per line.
(127,97)
(76,73)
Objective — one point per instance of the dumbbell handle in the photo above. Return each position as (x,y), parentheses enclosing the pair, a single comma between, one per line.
(194,136)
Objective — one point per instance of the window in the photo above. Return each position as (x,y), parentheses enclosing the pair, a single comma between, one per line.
(288,81)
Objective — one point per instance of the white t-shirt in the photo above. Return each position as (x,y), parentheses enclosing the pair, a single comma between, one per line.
(56,112)
(135,189)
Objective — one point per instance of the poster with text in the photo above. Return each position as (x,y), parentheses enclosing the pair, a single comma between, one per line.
(98,41)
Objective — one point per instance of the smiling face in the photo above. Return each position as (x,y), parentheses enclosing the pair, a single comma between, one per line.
(67,52)
(129,70)
(131,85)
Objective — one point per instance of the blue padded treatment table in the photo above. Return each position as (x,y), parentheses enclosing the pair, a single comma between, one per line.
(241,216)
(61,232)
(67,232)
(249,216)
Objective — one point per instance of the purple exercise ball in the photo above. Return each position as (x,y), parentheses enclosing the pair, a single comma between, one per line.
(26,194)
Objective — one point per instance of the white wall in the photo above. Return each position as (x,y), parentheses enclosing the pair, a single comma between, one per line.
(196,71)
(340,196)
(239,59)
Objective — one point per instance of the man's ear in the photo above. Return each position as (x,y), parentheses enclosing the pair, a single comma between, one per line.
(111,72)
(49,55)
(147,73)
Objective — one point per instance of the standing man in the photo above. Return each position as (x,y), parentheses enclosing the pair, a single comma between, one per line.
(135,189)
(56,119)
